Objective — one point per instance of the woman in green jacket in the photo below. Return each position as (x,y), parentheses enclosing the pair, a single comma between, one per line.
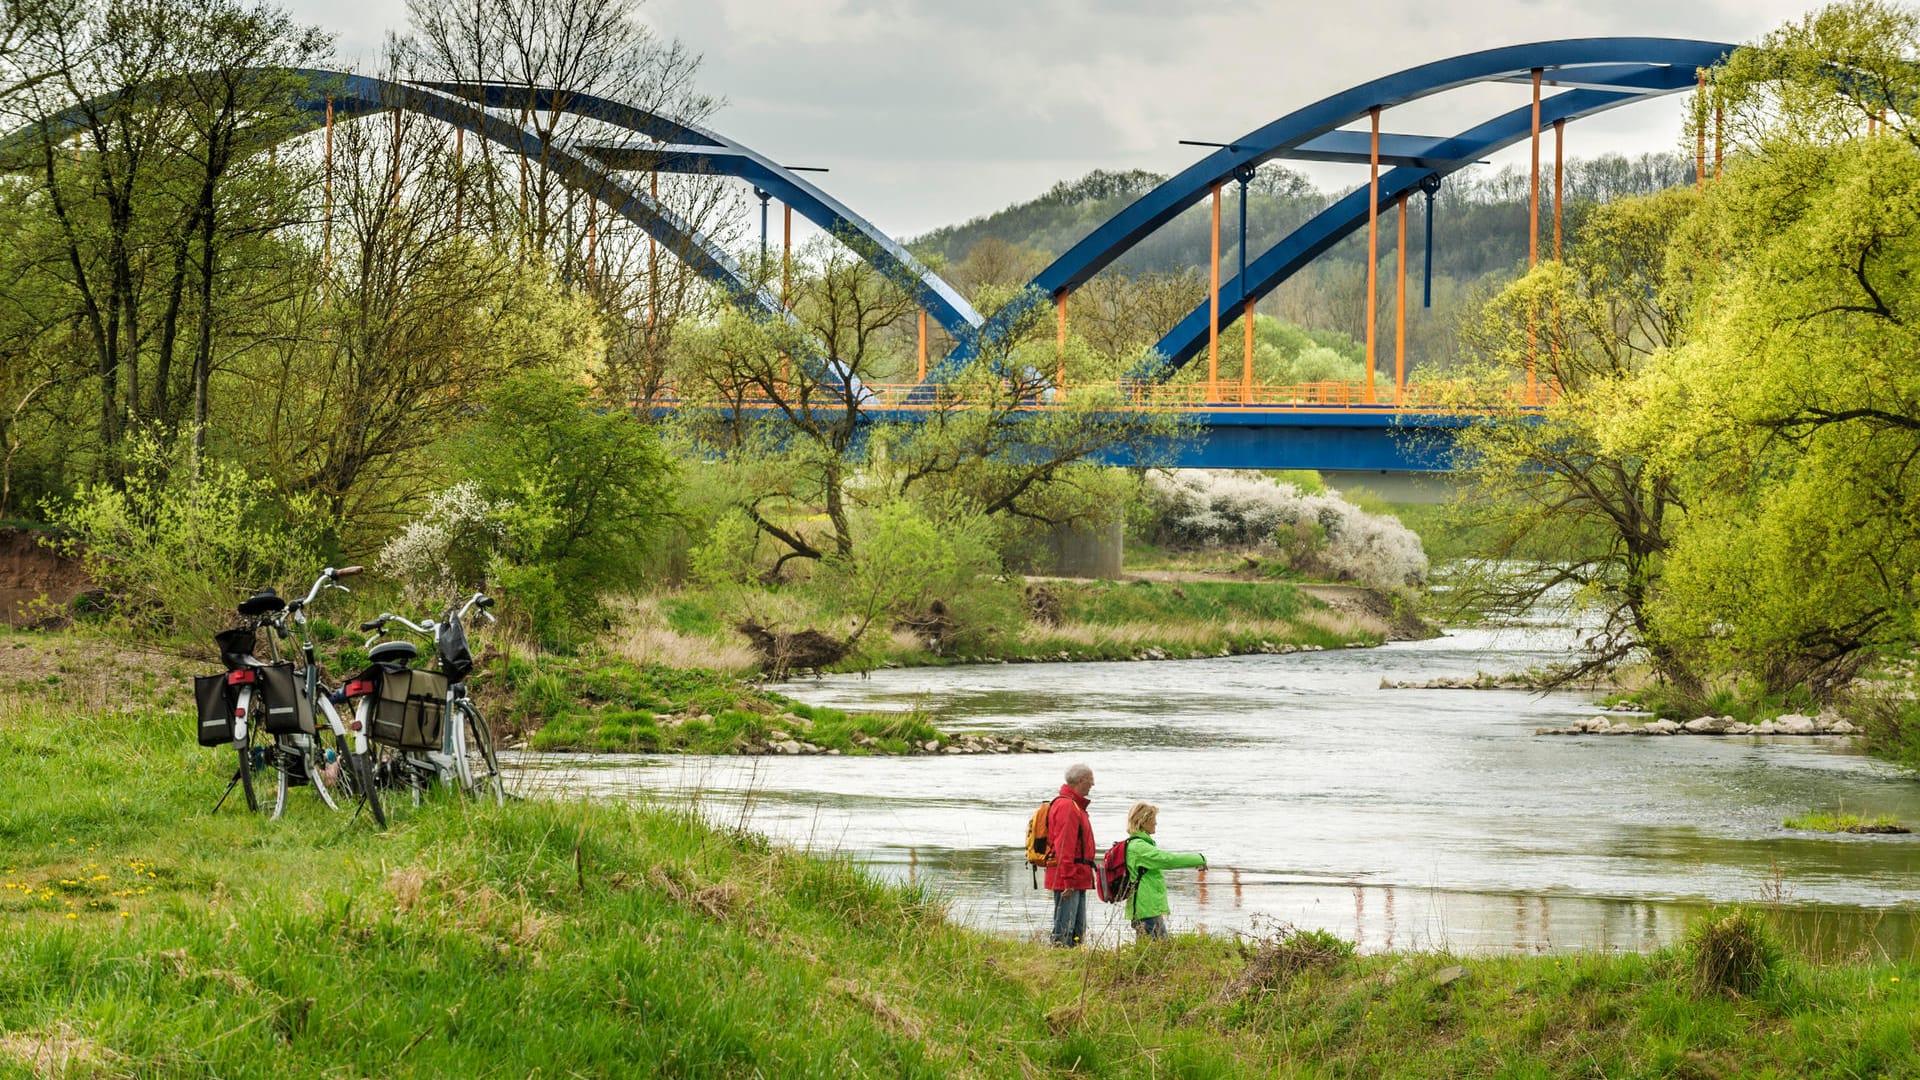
(1147,907)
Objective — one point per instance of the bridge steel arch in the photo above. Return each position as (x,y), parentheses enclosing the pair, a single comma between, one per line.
(592,166)
(1599,74)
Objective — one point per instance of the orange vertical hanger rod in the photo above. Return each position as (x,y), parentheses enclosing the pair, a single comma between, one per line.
(786,260)
(1246,357)
(1373,242)
(923,345)
(1700,123)
(1060,343)
(1213,311)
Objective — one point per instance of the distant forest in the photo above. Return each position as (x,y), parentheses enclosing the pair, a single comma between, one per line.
(1480,241)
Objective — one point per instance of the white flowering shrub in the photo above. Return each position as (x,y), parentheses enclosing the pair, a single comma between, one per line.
(444,553)
(1317,533)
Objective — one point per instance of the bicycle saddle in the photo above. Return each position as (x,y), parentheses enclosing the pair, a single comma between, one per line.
(393,652)
(262,602)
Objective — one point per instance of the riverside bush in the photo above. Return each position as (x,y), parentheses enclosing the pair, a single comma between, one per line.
(175,552)
(1317,532)
(567,497)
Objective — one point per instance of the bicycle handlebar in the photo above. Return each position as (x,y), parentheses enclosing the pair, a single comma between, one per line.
(479,600)
(327,577)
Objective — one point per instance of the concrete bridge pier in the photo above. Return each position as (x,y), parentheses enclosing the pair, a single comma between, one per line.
(1089,549)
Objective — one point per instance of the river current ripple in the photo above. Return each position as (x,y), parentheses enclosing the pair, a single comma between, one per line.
(1399,818)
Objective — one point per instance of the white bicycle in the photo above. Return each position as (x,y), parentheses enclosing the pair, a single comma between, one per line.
(460,755)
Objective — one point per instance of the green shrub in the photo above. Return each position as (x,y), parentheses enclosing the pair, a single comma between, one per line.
(174,553)
(575,495)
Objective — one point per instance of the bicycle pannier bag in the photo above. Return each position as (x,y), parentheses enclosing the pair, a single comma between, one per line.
(409,706)
(215,701)
(278,704)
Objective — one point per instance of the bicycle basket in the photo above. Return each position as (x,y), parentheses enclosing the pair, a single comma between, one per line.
(214,699)
(456,660)
(236,645)
(409,706)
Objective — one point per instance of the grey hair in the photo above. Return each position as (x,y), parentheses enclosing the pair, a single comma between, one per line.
(1077,773)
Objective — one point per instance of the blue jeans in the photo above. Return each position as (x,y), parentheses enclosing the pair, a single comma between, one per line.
(1069,917)
(1155,927)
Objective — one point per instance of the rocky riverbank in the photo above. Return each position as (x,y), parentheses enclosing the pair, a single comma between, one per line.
(1791,724)
(968,743)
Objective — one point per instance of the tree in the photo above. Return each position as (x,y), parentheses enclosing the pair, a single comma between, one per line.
(586,490)
(555,53)
(1569,513)
(144,194)
(1794,413)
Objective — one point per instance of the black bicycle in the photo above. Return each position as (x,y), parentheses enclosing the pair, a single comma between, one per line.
(267,710)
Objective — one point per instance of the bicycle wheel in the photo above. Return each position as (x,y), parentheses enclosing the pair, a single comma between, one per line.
(327,771)
(474,760)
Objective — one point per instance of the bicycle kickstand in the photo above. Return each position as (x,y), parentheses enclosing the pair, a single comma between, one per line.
(231,784)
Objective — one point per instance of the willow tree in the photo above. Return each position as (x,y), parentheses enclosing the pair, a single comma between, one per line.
(1570,519)
(1794,411)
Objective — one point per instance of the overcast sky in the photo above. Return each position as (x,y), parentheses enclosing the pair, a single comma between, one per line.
(930,112)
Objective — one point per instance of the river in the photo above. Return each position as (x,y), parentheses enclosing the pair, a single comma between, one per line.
(1401,819)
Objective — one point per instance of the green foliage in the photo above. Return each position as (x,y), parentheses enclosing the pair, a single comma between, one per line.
(1193,601)
(905,563)
(175,554)
(601,703)
(1888,714)
(582,493)
(1790,416)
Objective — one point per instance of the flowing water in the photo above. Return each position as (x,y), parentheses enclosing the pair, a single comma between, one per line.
(1399,818)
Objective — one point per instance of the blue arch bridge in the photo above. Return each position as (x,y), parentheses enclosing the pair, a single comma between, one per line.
(1372,426)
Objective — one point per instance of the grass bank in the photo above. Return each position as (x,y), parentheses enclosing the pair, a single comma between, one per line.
(1046,620)
(604,703)
(141,935)
(592,701)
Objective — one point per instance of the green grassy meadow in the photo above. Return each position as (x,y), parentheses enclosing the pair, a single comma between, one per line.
(143,935)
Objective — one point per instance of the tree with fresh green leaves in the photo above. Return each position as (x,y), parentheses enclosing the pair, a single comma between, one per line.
(1573,520)
(1792,415)
(584,490)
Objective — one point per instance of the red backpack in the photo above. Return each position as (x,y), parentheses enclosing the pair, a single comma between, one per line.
(1114,881)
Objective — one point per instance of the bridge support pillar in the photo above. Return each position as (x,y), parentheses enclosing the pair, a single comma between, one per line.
(1089,550)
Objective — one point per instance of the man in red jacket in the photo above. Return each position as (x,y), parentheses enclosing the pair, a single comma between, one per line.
(1070,874)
